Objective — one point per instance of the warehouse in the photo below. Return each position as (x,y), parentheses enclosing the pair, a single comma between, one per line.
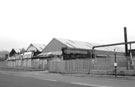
(56,46)
(71,49)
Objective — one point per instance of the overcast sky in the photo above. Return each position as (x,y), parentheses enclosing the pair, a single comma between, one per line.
(38,21)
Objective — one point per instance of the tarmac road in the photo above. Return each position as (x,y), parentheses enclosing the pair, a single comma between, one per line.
(45,79)
(7,80)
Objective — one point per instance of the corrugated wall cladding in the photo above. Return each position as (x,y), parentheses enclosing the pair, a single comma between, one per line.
(102,52)
(84,65)
(26,64)
(67,66)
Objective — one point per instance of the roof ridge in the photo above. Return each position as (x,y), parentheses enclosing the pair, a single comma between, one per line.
(72,40)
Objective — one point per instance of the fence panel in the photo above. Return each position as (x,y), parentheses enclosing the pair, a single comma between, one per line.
(84,65)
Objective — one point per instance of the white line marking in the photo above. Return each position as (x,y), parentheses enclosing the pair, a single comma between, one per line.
(85,84)
(50,79)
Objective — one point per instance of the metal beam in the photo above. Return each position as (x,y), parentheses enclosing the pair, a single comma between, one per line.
(113,44)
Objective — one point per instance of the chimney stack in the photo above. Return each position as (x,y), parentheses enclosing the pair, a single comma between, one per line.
(125,39)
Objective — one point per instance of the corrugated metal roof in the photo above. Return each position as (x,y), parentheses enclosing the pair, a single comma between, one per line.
(75,44)
(86,45)
(40,47)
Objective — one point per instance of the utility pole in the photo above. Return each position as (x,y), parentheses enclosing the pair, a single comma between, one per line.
(126,46)
(125,39)
(115,63)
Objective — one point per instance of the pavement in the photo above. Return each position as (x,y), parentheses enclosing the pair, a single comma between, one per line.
(77,79)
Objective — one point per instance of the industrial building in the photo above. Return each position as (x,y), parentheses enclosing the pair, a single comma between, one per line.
(71,49)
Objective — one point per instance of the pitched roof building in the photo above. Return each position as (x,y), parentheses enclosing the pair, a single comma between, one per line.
(35,47)
(57,43)
(76,47)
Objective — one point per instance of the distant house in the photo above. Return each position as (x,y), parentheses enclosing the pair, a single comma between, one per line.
(35,48)
(12,52)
